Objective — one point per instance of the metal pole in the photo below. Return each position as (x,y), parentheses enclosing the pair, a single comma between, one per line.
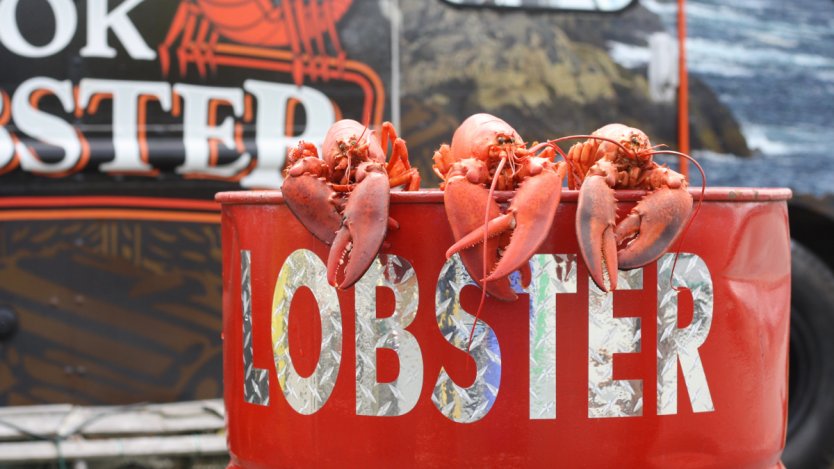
(396,17)
(683,90)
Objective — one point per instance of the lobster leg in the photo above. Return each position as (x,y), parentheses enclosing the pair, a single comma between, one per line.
(200,47)
(582,156)
(363,228)
(185,52)
(293,33)
(399,169)
(652,226)
(212,46)
(182,16)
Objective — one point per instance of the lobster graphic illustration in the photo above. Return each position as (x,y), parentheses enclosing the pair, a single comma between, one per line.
(296,37)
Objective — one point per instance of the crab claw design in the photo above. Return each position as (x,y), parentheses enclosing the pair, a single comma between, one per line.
(529,217)
(639,239)
(362,228)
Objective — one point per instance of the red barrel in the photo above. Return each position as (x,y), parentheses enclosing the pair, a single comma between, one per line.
(683,368)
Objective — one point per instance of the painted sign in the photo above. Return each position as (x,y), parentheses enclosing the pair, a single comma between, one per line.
(606,6)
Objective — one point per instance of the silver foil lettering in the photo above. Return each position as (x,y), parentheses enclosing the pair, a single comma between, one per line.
(681,344)
(551,274)
(607,336)
(400,396)
(255,380)
(457,403)
(306,395)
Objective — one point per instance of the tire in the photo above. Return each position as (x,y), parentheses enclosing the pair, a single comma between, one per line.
(810,439)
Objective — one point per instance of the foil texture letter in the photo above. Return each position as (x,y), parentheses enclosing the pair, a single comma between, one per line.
(306,395)
(550,275)
(255,380)
(399,396)
(675,344)
(607,336)
(457,403)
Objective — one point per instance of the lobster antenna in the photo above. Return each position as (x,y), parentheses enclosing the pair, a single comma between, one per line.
(567,161)
(561,153)
(511,162)
(365,130)
(697,209)
(350,156)
(549,143)
(486,238)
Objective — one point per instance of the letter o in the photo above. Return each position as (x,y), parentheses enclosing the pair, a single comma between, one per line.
(306,395)
(66,21)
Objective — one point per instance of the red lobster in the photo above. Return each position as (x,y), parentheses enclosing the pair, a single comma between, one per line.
(343,197)
(620,157)
(486,150)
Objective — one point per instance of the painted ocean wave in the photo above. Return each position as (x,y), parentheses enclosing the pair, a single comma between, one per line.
(772,64)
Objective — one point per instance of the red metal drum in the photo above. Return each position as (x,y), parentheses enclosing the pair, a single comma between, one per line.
(683,370)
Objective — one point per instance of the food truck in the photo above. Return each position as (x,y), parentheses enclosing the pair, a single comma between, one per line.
(121,120)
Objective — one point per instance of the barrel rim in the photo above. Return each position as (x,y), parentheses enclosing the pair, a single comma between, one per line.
(424,196)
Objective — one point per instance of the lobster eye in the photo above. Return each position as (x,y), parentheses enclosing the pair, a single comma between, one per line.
(634,140)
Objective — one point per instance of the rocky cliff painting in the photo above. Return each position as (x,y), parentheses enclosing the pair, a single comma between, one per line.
(547,73)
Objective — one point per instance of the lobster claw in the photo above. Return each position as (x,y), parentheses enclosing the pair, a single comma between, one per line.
(533,209)
(529,216)
(466,203)
(652,226)
(362,231)
(596,215)
(642,236)
(309,199)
